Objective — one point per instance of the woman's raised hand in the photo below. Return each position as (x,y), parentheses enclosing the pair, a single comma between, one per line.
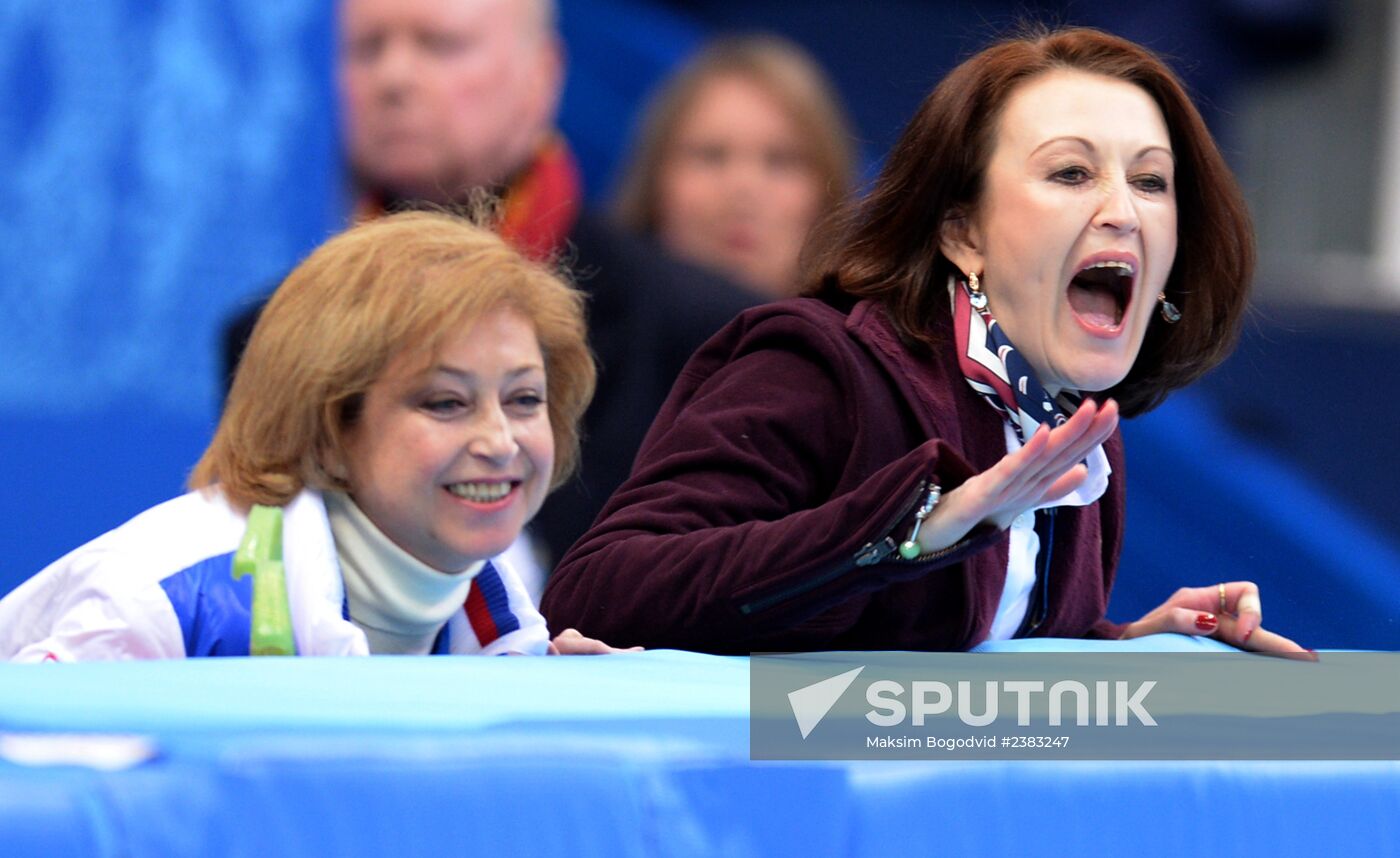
(1230,612)
(1047,466)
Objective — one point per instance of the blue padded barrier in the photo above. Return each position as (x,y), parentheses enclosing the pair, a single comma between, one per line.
(641,754)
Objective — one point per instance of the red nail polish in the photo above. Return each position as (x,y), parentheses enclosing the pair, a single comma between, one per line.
(1245,639)
(1206,622)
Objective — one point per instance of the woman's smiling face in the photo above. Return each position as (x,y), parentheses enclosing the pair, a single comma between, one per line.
(450,463)
(1074,233)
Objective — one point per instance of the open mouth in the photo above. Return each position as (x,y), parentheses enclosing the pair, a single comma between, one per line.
(1100,293)
(484,491)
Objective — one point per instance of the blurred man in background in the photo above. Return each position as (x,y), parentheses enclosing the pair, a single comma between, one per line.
(441,99)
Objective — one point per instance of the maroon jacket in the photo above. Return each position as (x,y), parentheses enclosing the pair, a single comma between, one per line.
(767,500)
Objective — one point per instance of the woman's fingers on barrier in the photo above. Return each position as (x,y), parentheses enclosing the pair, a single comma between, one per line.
(1222,627)
(1189,621)
(574,642)
(1242,599)
(1269,643)
(1171,616)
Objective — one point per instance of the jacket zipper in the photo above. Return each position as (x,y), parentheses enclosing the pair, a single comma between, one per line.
(869,554)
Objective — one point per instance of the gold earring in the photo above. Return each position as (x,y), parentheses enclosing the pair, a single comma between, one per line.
(978,298)
(1170,314)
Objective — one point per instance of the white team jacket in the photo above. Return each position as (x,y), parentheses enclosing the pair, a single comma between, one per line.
(160,586)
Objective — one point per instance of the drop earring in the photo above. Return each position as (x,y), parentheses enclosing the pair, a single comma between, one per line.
(978,299)
(1170,314)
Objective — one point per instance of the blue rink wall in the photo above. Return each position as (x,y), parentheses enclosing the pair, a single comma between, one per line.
(167,162)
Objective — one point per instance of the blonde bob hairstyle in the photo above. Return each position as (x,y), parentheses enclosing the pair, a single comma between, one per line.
(776,66)
(400,284)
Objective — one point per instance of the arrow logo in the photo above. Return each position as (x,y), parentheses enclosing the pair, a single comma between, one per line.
(811,703)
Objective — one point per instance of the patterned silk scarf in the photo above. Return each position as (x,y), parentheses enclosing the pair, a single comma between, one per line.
(995,369)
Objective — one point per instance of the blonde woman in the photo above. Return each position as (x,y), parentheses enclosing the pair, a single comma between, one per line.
(739,154)
(408,398)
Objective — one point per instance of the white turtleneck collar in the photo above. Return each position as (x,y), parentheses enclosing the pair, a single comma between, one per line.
(398,601)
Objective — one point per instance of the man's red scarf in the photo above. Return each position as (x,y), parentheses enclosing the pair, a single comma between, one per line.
(541,204)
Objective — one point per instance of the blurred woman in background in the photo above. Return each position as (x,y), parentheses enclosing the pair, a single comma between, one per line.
(739,154)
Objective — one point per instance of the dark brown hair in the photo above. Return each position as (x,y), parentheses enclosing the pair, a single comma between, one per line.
(886,247)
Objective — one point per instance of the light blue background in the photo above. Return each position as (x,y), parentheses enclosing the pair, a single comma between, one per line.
(163,162)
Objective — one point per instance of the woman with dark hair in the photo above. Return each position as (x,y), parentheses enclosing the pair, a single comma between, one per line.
(923,453)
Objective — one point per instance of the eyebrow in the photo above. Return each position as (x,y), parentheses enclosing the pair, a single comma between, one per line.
(468,375)
(1069,138)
